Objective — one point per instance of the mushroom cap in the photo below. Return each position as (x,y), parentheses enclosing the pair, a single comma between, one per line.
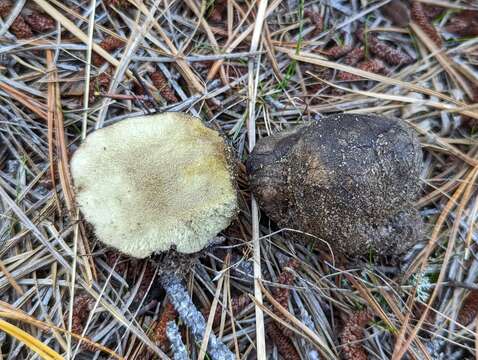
(151,183)
(349,179)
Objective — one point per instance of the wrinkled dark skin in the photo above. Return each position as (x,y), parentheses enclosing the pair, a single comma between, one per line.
(348,179)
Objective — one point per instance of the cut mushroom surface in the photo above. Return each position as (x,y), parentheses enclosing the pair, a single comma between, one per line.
(152,183)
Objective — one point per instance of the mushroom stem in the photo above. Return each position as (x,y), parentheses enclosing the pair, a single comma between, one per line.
(177,345)
(192,317)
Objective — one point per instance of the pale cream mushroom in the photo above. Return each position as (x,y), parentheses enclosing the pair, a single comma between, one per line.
(152,183)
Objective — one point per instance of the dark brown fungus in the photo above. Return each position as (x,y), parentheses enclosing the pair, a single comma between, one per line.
(349,179)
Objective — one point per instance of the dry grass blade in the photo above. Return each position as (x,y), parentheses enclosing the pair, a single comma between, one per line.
(251,133)
(325,350)
(314,59)
(442,59)
(55,113)
(184,66)
(70,26)
(466,187)
(10,313)
(38,347)
(249,70)
(210,320)
(34,106)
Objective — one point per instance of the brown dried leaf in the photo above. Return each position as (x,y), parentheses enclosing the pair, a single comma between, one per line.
(99,84)
(131,269)
(351,59)
(346,76)
(116,3)
(282,294)
(238,304)
(316,86)
(372,65)
(354,56)
(286,278)
(432,11)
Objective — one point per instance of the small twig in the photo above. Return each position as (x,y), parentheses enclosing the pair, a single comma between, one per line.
(177,345)
(125,97)
(197,58)
(460,284)
(146,91)
(192,317)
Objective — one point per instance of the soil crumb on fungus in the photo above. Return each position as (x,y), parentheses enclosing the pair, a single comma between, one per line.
(349,179)
(152,183)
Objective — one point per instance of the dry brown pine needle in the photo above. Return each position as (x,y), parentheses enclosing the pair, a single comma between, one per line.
(420,18)
(159,332)
(464,23)
(39,22)
(337,51)
(160,83)
(469,308)
(316,20)
(283,342)
(352,334)
(382,50)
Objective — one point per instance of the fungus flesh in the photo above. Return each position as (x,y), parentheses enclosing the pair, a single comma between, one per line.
(148,184)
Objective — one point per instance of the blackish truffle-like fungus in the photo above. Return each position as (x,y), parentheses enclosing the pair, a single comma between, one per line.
(348,179)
